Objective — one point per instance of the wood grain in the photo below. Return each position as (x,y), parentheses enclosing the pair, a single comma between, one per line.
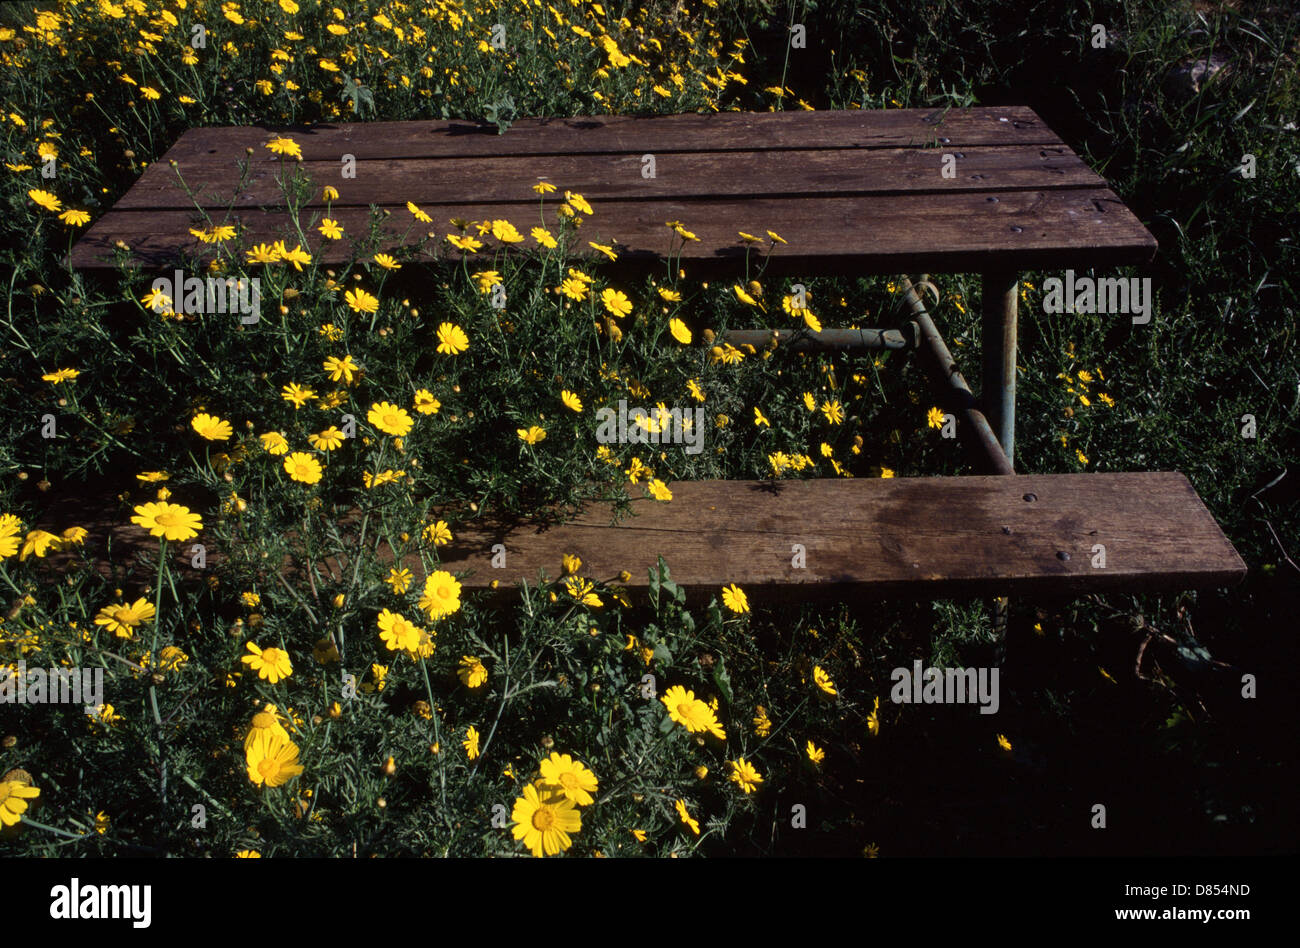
(956,232)
(850,191)
(679,176)
(934,537)
(729,131)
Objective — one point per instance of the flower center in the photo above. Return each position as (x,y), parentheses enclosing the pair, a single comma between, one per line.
(544,818)
(167,518)
(271,656)
(569,780)
(268,768)
(686,710)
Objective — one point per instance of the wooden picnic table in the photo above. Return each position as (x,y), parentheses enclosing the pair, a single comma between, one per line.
(850,193)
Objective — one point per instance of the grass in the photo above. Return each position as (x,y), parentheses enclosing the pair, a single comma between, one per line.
(1110,699)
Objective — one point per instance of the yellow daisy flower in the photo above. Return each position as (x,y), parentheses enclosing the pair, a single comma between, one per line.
(745,775)
(211,427)
(543,821)
(169,521)
(823,680)
(452,339)
(271,664)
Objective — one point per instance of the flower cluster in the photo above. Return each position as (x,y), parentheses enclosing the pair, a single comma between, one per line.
(692,713)
(547,814)
(271,756)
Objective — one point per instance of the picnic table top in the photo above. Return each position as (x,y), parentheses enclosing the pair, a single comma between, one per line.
(850,192)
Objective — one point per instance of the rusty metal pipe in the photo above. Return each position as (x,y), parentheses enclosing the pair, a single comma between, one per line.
(945,372)
(805,340)
(998,337)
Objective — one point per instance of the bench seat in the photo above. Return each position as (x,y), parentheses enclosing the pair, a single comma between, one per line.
(925,537)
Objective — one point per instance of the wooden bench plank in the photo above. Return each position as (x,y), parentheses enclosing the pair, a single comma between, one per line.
(919,537)
(723,131)
(961,232)
(928,537)
(678,176)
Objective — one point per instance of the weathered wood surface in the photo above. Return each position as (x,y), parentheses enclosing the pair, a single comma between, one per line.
(736,131)
(601,177)
(921,537)
(962,232)
(851,192)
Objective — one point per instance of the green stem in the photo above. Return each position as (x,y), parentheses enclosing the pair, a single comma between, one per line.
(28,821)
(211,799)
(157,600)
(5,573)
(505,697)
(437,737)
(153,642)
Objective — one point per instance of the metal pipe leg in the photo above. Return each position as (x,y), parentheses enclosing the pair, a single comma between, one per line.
(954,388)
(998,333)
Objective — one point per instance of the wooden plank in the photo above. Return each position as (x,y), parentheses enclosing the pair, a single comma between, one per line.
(961,232)
(933,537)
(678,176)
(723,131)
